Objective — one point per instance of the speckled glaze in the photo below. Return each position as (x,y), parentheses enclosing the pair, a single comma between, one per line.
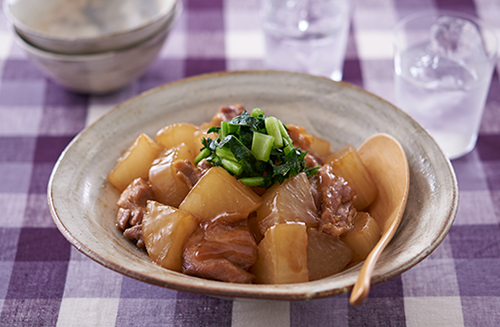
(102,72)
(87,26)
(82,201)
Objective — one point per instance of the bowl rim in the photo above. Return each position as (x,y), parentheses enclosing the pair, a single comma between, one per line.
(31,31)
(282,292)
(39,52)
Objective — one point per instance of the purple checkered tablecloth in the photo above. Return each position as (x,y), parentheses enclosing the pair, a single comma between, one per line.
(44,281)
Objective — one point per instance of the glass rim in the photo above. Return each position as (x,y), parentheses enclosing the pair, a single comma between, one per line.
(440,13)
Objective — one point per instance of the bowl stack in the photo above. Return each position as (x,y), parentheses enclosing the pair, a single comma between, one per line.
(92,46)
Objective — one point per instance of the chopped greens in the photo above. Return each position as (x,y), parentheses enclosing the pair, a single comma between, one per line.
(262,144)
(256,149)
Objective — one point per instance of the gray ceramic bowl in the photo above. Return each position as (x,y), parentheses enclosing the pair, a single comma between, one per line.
(101,72)
(82,201)
(84,27)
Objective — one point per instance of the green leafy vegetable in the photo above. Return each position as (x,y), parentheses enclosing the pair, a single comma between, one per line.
(262,144)
(256,149)
(273,128)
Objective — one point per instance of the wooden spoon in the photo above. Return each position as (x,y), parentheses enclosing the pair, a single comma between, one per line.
(386,160)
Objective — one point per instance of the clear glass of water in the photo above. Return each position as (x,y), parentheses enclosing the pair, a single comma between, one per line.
(444,63)
(308,36)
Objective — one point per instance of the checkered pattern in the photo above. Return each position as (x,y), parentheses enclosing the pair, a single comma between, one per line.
(44,281)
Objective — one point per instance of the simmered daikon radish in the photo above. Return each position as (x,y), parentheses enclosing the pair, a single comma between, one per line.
(169,186)
(363,236)
(326,254)
(175,134)
(135,162)
(320,146)
(347,163)
(165,229)
(260,190)
(291,201)
(282,255)
(217,193)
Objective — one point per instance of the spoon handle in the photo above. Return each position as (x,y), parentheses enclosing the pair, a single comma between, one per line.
(387,163)
(362,286)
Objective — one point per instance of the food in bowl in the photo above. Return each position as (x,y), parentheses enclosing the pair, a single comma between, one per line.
(82,200)
(245,199)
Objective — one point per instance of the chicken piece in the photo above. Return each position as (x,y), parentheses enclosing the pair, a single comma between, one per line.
(300,137)
(234,242)
(312,160)
(135,234)
(303,140)
(316,160)
(132,203)
(227,113)
(203,166)
(222,251)
(337,210)
(187,171)
(314,182)
(214,268)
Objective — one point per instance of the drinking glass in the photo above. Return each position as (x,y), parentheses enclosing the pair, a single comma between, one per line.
(443,64)
(307,36)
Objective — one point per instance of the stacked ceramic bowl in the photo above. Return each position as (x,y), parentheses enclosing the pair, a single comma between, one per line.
(92,46)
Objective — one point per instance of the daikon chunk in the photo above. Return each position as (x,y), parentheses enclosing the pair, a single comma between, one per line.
(282,255)
(169,185)
(175,134)
(363,236)
(135,162)
(218,193)
(291,201)
(347,163)
(326,254)
(165,229)
(320,146)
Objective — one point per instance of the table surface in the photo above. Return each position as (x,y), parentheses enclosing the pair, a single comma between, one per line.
(457,285)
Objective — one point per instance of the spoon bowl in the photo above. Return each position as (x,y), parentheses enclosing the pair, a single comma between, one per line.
(386,161)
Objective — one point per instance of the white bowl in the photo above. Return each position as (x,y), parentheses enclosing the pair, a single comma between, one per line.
(83,27)
(82,201)
(102,72)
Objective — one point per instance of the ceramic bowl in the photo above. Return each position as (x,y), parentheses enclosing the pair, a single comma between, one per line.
(102,72)
(82,201)
(83,27)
